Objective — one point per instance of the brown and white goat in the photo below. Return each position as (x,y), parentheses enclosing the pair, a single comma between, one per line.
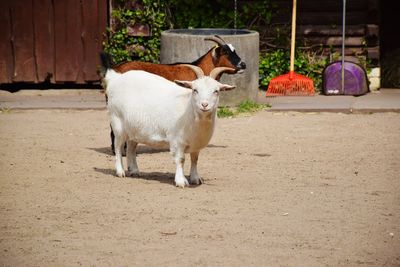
(222,55)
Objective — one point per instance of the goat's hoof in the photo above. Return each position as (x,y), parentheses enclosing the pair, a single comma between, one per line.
(121,174)
(182,184)
(196,181)
(133,173)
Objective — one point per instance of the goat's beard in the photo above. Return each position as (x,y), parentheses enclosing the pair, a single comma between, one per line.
(206,115)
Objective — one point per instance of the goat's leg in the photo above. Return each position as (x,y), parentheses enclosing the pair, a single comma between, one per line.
(195,178)
(179,157)
(131,158)
(112,140)
(119,141)
(119,166)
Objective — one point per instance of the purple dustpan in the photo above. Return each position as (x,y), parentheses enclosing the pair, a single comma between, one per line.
(355,79)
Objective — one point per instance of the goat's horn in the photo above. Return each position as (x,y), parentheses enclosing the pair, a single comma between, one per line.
(215,72)
(199,72)
(215,39)
(219,37)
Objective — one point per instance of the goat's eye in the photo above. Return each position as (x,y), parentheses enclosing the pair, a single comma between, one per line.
(195,91)
(216,92)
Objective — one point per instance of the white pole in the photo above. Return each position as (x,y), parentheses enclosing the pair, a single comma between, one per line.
(343,38)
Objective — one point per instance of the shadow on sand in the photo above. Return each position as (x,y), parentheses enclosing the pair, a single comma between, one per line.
(141,149)
(162,177)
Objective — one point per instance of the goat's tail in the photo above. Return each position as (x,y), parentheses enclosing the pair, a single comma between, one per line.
(105,71)
(106,63)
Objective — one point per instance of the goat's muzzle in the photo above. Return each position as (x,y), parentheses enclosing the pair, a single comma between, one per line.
(240,67)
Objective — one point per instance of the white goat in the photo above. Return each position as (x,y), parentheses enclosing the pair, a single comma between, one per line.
(146,108)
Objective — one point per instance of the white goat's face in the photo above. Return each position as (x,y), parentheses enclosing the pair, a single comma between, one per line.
(205,93)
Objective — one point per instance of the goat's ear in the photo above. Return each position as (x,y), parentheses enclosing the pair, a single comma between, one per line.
(214,52)
(186,84)
(226,87)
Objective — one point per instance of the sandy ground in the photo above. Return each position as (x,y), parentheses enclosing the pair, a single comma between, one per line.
(281,189)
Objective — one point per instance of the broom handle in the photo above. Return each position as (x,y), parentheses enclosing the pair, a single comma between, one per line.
(293,39)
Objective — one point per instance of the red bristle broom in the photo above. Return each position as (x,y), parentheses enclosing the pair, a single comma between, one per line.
(291,83)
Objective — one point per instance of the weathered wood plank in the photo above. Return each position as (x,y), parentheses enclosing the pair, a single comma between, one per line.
(372,30)
(373,52)
(349,51)
(102,22)
(90,11)
(68,46)
(44,39)
(329,17)
(330,30)
(6,54)
(22,41)
(322,18)
(335,41)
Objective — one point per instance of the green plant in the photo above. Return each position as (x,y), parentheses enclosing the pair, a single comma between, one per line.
(244,107)
(276,62)
(248,106)
(225,112)
(123,45)
(272,64)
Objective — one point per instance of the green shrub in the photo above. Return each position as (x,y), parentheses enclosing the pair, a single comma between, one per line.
(277,62)
(122,46)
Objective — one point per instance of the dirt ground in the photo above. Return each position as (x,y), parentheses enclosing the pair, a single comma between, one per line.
(281,189)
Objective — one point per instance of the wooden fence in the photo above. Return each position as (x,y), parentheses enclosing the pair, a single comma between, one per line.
(55,41)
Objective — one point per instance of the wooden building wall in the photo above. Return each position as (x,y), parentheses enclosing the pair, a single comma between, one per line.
(55,41)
